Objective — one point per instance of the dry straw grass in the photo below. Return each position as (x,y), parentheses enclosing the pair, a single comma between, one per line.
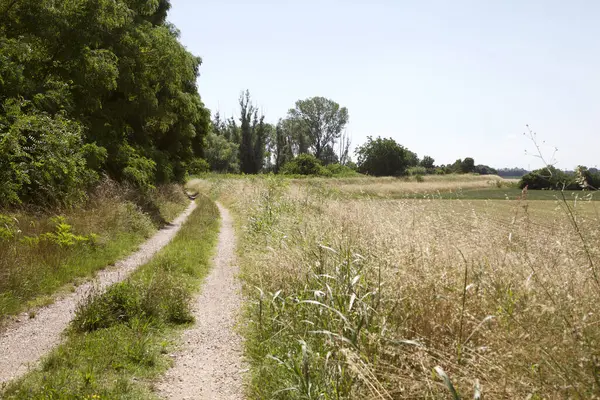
(386,187)
(364,298)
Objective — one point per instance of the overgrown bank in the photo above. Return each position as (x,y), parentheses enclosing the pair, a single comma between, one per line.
(43,251)
(117,342)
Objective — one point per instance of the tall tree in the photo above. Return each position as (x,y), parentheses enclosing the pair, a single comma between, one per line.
(382,157)
(323,120)
(253,133)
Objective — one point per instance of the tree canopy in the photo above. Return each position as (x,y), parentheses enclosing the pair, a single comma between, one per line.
(322,121)
(383,157)
(107,83)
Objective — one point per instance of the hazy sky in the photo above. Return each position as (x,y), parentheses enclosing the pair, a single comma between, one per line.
(449,79)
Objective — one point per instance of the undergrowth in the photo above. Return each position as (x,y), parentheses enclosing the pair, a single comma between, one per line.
(118,341)
(42,251)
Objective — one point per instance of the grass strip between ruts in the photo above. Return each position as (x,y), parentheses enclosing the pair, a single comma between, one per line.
(119,341)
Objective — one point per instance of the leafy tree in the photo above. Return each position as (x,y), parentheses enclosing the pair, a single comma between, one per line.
(484,170)
(467,165)
(115,70)
(412,158)
(221,154)
(253,136)
(322,122)
(382,157)
(43,158)
(428,162)
(282,148)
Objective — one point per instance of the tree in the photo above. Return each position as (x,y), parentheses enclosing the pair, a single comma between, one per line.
(282,146)
(322,120)
(382,157)
(484,170)
(253,136)
(467,165)
(221,154)
(427,162)
(117,71)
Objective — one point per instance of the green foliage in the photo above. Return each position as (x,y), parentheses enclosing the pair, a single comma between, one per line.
(164,299)
(467,165)
(587,178)
(81,80)
(42,157)
(549,178)
(382,157)
(304,164)
(8,228)
(136,169)
(484,170)
(321,122)
(253,136)
(63,235)
(339,170)
(412,171)
(198,166)
(428,162)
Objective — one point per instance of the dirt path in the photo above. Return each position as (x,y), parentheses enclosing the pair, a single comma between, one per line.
(25,341)
(208,366)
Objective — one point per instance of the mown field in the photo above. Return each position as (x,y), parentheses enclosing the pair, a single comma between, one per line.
(385,289)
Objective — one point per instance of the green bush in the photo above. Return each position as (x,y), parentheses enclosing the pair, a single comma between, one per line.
(412,171)
(42,158)
(305,164)
(340,170)
(549,178)
(198,166)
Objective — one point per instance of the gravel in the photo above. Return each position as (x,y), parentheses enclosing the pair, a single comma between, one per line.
(24,341)
(209,363)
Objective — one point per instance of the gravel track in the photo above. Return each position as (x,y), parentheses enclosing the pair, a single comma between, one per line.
(209,363)
(25,341)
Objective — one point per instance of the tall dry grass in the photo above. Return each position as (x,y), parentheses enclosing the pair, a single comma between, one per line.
(390,187)
(365,298)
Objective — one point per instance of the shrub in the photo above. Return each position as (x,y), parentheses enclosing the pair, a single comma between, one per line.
(198,166)
(549,178)
(305,164)
(341,170)
(42,158)
(412,171)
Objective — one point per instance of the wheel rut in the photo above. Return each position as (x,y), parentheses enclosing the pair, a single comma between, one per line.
(209,363)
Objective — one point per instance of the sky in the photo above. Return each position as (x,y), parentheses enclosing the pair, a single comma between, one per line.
(448,79)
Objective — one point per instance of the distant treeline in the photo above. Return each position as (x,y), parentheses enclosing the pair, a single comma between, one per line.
(511,172)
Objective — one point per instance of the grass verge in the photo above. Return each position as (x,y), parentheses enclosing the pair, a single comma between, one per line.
(41,252)
(118,341)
